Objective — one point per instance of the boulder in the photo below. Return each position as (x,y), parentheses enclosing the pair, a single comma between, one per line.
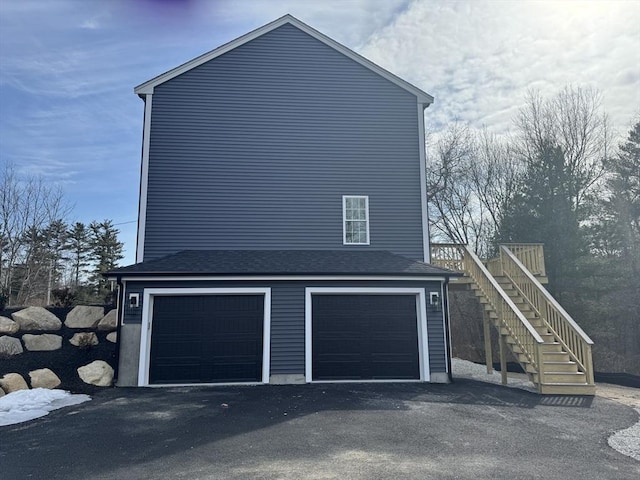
(36,318)
(109,321)
(112,337)
(8,326)
(42,343)
(10,346)
(84,339)
(97,373)
(44,378)
(12,382)
(83,316)
(2,394)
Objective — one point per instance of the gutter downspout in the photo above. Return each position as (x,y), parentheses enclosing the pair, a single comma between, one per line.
(120,310)
(445,307)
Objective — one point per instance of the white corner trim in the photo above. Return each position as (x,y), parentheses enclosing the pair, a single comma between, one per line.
(144,178)
(148,86)
(423,186)
(421,311)
(147,324)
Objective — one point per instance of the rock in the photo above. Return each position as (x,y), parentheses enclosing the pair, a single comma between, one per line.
(2,394)
(13,382)
(9,346)
(112,337)
(44,378)
(8,326)
(83,316)
(84,339)
(36,318)
(109,321)
(42,343)
(97,373)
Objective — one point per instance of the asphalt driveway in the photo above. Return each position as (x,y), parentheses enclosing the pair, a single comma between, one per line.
(333,431)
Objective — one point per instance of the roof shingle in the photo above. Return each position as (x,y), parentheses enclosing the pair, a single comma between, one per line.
(282,262)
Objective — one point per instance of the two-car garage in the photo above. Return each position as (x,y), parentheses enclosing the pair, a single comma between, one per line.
(208,336)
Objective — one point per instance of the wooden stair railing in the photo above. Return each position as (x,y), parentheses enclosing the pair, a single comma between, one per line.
(565,330)
(509,319)
(553,350)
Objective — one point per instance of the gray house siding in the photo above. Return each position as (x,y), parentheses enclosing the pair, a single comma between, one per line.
(254,150)
(288,320)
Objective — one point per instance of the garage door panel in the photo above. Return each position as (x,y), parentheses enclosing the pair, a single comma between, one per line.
(206,339)
(364,337)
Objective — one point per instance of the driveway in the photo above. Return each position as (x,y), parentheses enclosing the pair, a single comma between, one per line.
(467,430)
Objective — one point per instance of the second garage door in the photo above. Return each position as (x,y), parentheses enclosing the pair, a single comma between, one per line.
(206,339)
(364,337)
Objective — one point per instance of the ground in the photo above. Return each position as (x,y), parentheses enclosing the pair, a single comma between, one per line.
(467,430)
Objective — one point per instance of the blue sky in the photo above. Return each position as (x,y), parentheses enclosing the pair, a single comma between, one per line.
(68,68)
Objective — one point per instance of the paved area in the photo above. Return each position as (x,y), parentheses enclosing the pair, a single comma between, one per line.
(468,430)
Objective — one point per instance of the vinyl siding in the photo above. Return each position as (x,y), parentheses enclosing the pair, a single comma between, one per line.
(254,150)
(288,322)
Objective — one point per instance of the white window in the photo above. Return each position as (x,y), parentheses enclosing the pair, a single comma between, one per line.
(355,216)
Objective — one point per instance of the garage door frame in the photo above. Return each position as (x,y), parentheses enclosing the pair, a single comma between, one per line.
(147,326)
(421,315)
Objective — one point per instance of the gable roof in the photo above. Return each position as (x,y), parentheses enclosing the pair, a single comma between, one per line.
(148,86)
(282,262)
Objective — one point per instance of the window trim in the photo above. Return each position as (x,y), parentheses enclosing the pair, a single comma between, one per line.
(344,218)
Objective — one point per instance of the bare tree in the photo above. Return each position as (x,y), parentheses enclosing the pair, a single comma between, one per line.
(28,205)
(470,178)
(573,121)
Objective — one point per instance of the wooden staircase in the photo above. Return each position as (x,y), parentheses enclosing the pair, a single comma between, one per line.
(551,348)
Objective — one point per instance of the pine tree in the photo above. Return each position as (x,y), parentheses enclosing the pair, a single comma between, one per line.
(79,247)
(543,211)
(106,251)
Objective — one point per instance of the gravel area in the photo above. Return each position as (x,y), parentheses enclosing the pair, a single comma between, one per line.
(625,441)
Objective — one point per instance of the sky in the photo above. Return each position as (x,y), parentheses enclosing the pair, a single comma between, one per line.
(68,68)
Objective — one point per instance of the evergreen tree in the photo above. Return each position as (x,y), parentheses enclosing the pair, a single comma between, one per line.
(79,247)
(106,251)
(544,211)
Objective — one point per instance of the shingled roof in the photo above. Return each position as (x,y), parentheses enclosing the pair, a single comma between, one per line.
(282,262)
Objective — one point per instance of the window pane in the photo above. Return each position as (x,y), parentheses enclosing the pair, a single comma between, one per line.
(355,218)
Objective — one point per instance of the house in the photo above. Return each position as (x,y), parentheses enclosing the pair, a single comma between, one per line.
(282,231)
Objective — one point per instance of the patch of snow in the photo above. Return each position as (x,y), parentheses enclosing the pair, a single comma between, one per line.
(466,369)
(24,405)
(627,441)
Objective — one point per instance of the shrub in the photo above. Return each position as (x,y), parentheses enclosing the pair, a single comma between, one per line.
(4,298)
(64,297)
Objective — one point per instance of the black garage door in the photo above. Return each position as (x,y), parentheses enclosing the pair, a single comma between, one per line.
(364,337)
(206,339)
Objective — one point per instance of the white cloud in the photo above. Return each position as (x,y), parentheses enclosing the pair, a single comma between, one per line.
(478,58)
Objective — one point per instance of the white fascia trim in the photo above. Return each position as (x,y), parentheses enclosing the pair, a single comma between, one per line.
(423,186)
(423,344)
(344,218)
(144,179)
(147,324)
(204,278)
(147,87)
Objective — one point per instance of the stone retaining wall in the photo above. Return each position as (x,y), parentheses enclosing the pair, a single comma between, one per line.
(71,348)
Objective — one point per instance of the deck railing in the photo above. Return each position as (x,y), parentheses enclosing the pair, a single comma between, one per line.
(448,255)
(531,255)
(462,259)
(566,331)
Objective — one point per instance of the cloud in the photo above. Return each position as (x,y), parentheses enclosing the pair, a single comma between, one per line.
(69,67)
(478,58)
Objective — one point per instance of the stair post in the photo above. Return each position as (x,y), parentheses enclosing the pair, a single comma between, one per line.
(488,354)
(503,359)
